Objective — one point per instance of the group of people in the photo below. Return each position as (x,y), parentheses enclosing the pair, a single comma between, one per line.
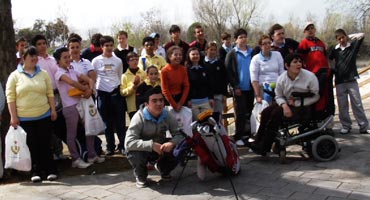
(195,75)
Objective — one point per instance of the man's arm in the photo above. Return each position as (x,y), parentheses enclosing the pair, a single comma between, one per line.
(133,141)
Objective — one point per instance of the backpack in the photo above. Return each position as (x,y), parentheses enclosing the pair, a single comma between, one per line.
(215,149)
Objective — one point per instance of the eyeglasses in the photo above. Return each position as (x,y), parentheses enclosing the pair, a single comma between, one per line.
(266,43)
(148,44)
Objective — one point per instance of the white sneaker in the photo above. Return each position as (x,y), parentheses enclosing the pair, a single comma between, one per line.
(96,159)
(52,177)
(344,131)
(240,143)
(80,164)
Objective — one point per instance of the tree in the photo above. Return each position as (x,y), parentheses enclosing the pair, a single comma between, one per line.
(243,12)
(7,53)
(56,33)
(213,13)
(220,15)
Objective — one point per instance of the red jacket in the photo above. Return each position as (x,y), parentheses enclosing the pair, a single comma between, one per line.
(313,51)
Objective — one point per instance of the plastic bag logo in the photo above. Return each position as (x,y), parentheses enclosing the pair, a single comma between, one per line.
(15,148)
(92,110)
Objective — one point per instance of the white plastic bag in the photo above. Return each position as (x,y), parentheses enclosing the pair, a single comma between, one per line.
(184,119)
(17,154)
(90,116)
(256,115)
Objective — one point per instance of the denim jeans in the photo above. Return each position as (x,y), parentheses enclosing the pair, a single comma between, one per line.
(112,108)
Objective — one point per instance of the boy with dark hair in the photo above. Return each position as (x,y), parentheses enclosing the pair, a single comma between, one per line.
(344,54)
(237,64)
(20,45)
(175,33)
(123,48)
(48,63)
(226,46)
(294,79)
(280,43)
(147,140)
(150,58)
(94,50)
(111,104)
(200,42)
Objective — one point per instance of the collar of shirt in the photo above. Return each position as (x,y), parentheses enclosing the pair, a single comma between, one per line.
(227,49)
(21,70)
(245,53)
(273,44)
(263,58)
(341,47)
(44,58)
(149,117)
(120,48)
(196,67)
(209,60)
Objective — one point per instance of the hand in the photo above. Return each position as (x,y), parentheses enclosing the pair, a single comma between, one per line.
(287,111)
(53,115)
(167,147)
(259,99)
(157,148)
(14,121)
(291,101)
(87,94)
(178,107)
(238,92)
(137,80)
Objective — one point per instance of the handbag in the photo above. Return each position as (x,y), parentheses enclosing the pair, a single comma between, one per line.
(90,116)
(256,115)
(75,92)
(17,154)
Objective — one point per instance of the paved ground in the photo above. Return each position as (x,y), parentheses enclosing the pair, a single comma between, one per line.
(346,177)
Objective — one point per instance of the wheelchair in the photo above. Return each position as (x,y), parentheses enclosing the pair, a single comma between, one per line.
(310,132)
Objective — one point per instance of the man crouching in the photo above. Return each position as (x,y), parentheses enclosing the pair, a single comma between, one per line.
(152,135)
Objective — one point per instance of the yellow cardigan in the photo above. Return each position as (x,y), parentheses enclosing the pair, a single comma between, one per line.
(127,88)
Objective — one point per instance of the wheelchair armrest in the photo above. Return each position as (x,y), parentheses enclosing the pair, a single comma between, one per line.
(302,94)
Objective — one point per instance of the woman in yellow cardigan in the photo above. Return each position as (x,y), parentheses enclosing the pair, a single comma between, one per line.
(30,97)
(130,80)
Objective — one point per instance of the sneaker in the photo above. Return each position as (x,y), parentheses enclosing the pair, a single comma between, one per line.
(96,159)
(36,179)
(109,153)
(344,131)
(240,143)
(365,131)
(141,182)
(52,177)
(80,164)
(164,176)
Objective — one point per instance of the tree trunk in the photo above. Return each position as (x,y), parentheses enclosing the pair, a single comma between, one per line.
(7,56)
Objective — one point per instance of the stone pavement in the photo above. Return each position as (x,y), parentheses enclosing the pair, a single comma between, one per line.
(347,177)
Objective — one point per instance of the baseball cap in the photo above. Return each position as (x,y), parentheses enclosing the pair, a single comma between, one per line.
(154,35)
(308,24)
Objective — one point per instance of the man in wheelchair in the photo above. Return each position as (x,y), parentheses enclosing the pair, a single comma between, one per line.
(292,86)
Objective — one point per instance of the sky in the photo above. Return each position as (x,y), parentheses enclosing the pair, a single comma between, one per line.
(83,15)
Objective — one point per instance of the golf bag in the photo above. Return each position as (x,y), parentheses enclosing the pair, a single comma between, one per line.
(215,149)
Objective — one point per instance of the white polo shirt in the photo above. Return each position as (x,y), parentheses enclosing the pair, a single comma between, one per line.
(83,66)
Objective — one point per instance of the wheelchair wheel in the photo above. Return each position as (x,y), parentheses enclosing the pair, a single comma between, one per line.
(324,148)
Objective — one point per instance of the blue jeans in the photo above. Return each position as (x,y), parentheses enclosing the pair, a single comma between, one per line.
(112,108)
